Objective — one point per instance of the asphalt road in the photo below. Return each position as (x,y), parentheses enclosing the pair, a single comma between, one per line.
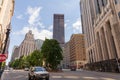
(66,75)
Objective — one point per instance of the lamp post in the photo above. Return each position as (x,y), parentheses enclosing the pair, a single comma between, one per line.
(6,40)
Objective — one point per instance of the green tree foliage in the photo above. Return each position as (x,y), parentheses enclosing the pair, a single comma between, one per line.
(3,64)
(15,64)
(34,59)
(52,53)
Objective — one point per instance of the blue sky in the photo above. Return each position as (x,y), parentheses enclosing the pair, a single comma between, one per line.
(37,15)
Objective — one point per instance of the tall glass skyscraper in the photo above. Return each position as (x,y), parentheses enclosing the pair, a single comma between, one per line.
(58,28)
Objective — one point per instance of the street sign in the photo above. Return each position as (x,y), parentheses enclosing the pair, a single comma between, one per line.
(2,57)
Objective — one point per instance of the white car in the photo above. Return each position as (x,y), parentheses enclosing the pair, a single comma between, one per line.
(37,73)
(26,69)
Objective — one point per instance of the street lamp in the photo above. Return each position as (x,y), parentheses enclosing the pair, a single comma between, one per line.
(6,40)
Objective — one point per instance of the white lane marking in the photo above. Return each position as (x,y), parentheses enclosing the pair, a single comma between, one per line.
(90,78)
(69,77)
(108,79)
(56,76)
(72,77)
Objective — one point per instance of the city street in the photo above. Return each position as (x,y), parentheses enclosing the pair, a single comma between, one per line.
(66,75)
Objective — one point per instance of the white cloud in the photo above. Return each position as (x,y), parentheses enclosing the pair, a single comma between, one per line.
(65,25)
(34,14)
(19,16)
(21,32)
(50,27)
(44,34)
(38,34)
(41,34)
(77,27)
(35,25)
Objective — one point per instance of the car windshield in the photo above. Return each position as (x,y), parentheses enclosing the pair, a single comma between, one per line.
(39,69)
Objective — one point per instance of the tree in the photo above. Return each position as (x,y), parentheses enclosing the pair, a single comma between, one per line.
(18,63)
(21,62)
(52,53)
(3,64)
(15,63)
(35,58)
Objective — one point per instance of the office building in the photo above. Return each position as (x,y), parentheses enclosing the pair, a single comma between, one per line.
(6,13)
(58,28)
(101,27)
(66,56)
(77,51)
(15,53)
(28,45)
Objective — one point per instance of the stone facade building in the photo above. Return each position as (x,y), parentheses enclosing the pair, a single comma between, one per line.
(15,54)
(77,51)
(28,45)
(58,28)
(101,26)
(6,13)
(66,55)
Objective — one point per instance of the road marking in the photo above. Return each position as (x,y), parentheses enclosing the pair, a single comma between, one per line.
(108,79)
(56,76)
(71,77)
(90,78)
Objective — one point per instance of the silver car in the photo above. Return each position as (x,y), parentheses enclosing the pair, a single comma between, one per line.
(37,73)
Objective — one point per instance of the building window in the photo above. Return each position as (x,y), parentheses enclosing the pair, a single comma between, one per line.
(104,2)
(97,6)
(119,14)
(116,1)
(99,11)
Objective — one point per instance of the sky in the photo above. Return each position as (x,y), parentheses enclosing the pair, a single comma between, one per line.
(37,15)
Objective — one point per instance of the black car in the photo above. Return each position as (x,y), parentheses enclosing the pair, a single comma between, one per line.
(73,68)
(37,73)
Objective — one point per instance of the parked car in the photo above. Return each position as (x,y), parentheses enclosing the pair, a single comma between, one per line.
(36,73)
(26,69)
(73,68)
